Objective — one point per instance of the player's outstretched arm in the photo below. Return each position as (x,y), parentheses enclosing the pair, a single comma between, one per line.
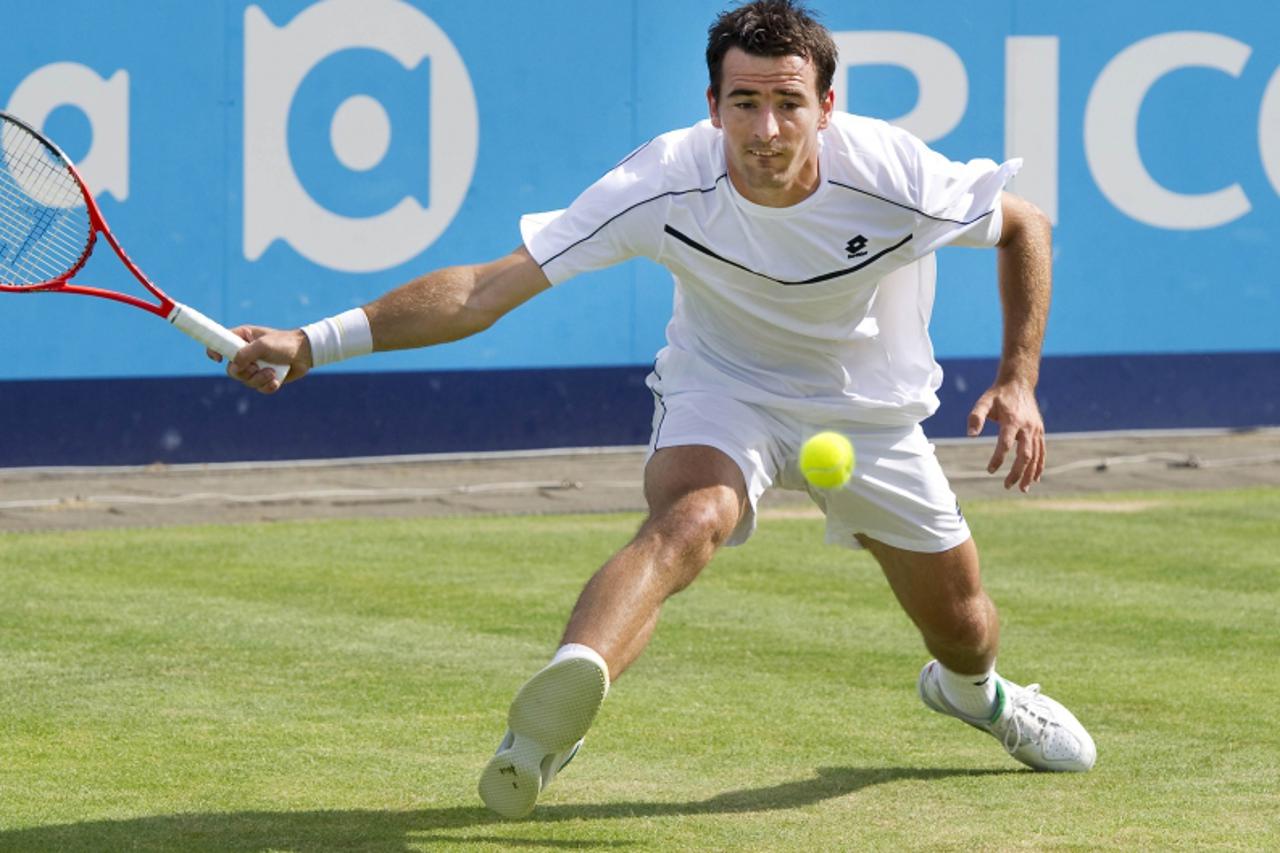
(454,302)
(445,305)
(1025,253)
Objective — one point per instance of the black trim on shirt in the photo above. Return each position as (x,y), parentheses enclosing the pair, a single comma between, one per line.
(629,156)
(910,208)
(694,244)
(703,190)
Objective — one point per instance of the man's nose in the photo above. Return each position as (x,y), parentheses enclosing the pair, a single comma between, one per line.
(767,124)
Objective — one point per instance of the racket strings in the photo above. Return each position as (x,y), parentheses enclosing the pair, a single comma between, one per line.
(44,223)
(41,236)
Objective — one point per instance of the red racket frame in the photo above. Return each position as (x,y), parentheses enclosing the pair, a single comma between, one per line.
(97,225)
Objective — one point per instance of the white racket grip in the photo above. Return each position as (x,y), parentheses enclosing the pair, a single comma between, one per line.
(215,336)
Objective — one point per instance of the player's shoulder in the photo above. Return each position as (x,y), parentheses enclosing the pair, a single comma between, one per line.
(862,138)
(678,159)
(871,153)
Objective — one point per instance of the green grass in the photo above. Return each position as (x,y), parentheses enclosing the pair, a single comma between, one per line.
(316,686)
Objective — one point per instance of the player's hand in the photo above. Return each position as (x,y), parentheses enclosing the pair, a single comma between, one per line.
(1013,406)
(272,346)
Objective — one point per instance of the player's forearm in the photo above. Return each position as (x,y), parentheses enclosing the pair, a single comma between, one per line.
(1026,284)
(444,305)
(433,309)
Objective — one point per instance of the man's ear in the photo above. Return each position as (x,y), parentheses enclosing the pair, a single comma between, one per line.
(827,104)
(713,108)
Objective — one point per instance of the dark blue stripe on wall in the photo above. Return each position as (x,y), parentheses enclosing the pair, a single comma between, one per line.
(140,421)
(1108,392)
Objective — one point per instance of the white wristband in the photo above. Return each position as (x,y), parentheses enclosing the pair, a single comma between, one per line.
(344,335)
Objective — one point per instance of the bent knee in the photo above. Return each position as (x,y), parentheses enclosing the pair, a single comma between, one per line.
(695,526)
(711,514)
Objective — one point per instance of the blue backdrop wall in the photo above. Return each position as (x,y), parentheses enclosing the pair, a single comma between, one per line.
(283,160)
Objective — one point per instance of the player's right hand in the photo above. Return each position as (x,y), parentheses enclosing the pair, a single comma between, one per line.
(1013,405)
(273,346)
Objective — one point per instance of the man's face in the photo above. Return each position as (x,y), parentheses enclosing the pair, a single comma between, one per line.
(770,113)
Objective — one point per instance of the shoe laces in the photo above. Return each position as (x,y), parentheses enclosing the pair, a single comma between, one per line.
(1030,719)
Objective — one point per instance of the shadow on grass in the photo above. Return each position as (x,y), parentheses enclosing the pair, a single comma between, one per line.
(396,830)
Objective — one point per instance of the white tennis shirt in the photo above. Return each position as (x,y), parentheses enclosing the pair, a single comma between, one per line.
(819,308)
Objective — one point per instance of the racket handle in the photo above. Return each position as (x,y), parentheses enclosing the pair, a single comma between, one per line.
(215,336)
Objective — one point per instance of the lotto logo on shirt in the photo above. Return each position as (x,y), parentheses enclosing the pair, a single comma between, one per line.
(386,179)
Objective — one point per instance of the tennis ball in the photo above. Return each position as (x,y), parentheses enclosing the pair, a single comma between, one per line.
(826,460)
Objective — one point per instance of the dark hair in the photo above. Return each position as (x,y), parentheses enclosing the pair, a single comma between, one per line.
(772,28)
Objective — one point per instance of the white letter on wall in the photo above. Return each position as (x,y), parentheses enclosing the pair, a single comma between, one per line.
(1031,118)
(939,73)
(1269,130)
(105,168)
(1111,130)
(277,60)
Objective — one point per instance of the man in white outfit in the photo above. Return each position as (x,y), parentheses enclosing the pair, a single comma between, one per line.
(801,242)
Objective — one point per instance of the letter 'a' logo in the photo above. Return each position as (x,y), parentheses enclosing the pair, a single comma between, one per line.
(277,206)
(104,102)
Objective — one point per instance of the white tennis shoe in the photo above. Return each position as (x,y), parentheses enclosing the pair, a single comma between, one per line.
(545,727)
(1033,728)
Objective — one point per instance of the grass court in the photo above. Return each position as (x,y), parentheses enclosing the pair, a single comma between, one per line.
(339,685)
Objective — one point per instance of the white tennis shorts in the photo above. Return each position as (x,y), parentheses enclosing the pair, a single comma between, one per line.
(897,495)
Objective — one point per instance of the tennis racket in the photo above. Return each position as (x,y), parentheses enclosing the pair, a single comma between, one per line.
(49,224)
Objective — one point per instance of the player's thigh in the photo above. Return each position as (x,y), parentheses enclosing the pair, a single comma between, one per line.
(675,472)
(701,485)
(701,437)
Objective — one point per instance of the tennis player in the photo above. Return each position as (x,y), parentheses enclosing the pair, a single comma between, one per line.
(801,240)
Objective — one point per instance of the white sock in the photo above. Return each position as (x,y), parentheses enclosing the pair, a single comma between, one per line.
(973,695)
(577,650)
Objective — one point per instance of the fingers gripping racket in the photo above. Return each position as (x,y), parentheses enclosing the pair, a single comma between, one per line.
(49,224)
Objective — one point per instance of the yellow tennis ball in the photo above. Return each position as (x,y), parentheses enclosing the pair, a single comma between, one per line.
(826,460)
